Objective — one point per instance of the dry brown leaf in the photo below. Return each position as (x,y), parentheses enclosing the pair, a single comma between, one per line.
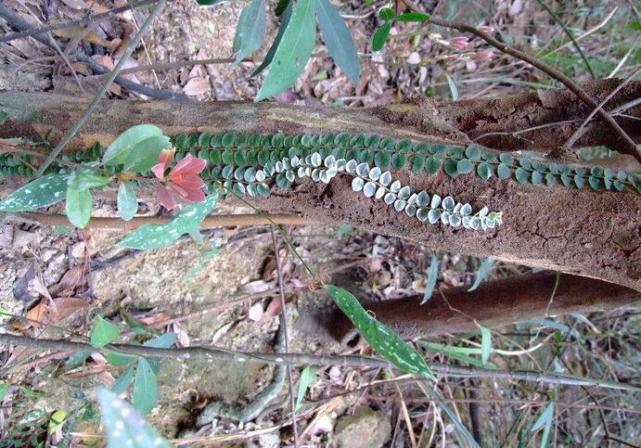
(197,86)
(273,309)
(64,307)
(71,279)
(39,314)
(86,35)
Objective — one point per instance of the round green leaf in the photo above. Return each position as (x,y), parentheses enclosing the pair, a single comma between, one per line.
(464,166)
(484,170)
(503,171)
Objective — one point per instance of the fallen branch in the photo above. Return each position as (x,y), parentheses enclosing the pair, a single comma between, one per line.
(295,359)
(493,304)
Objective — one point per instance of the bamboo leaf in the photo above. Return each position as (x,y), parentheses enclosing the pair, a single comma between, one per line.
(250,31)
(338,39)
(545,421)
(486,345)
(284,22)
(293,51)
(383,340)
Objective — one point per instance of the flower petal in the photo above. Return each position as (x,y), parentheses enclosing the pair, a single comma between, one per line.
(188,194)
(166,156)
(159,170)
(166,198)
(188,165)
(189,181)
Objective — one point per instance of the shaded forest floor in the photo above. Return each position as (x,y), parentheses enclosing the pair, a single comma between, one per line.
(54,282)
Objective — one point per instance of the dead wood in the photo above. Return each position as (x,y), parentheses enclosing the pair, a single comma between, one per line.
(581,232)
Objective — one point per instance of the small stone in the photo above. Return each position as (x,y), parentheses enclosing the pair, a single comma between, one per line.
(364,429)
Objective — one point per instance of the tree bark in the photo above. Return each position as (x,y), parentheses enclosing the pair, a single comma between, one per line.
(587,233)
(493,304)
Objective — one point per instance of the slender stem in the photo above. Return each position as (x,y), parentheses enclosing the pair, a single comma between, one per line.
(131,46)
(283,322)
(217,353)
(579,131)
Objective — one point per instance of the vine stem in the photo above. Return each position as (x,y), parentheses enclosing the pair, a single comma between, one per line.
(299,359)
(235,220)
(630,145)
(283,322)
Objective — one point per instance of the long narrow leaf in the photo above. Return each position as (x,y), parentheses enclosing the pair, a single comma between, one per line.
(432,274)
(382,339)
(293,52)
(486,345)
(269,57)
(545,421)
(338,39)
(124,426)
(145,387)
(251,30)
(484,269)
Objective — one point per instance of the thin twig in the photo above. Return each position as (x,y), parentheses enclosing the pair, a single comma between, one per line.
(131,46)
(300,359)
(232,220)
(88,20)
(283,322)
(579,131)
(630,145)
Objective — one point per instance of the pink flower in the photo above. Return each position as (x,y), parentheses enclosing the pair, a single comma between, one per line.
(183,183)
(486,29)
(460,42)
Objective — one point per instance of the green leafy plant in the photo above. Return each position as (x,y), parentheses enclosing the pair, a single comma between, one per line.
(388,16)
(139,370)
(294,42)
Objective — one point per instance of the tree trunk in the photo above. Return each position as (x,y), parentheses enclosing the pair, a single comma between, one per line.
(583,232)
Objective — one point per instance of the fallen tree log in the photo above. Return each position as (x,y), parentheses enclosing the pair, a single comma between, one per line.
(495,303)
(582,232)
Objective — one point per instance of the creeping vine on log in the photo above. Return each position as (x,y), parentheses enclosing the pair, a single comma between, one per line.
(582,220)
